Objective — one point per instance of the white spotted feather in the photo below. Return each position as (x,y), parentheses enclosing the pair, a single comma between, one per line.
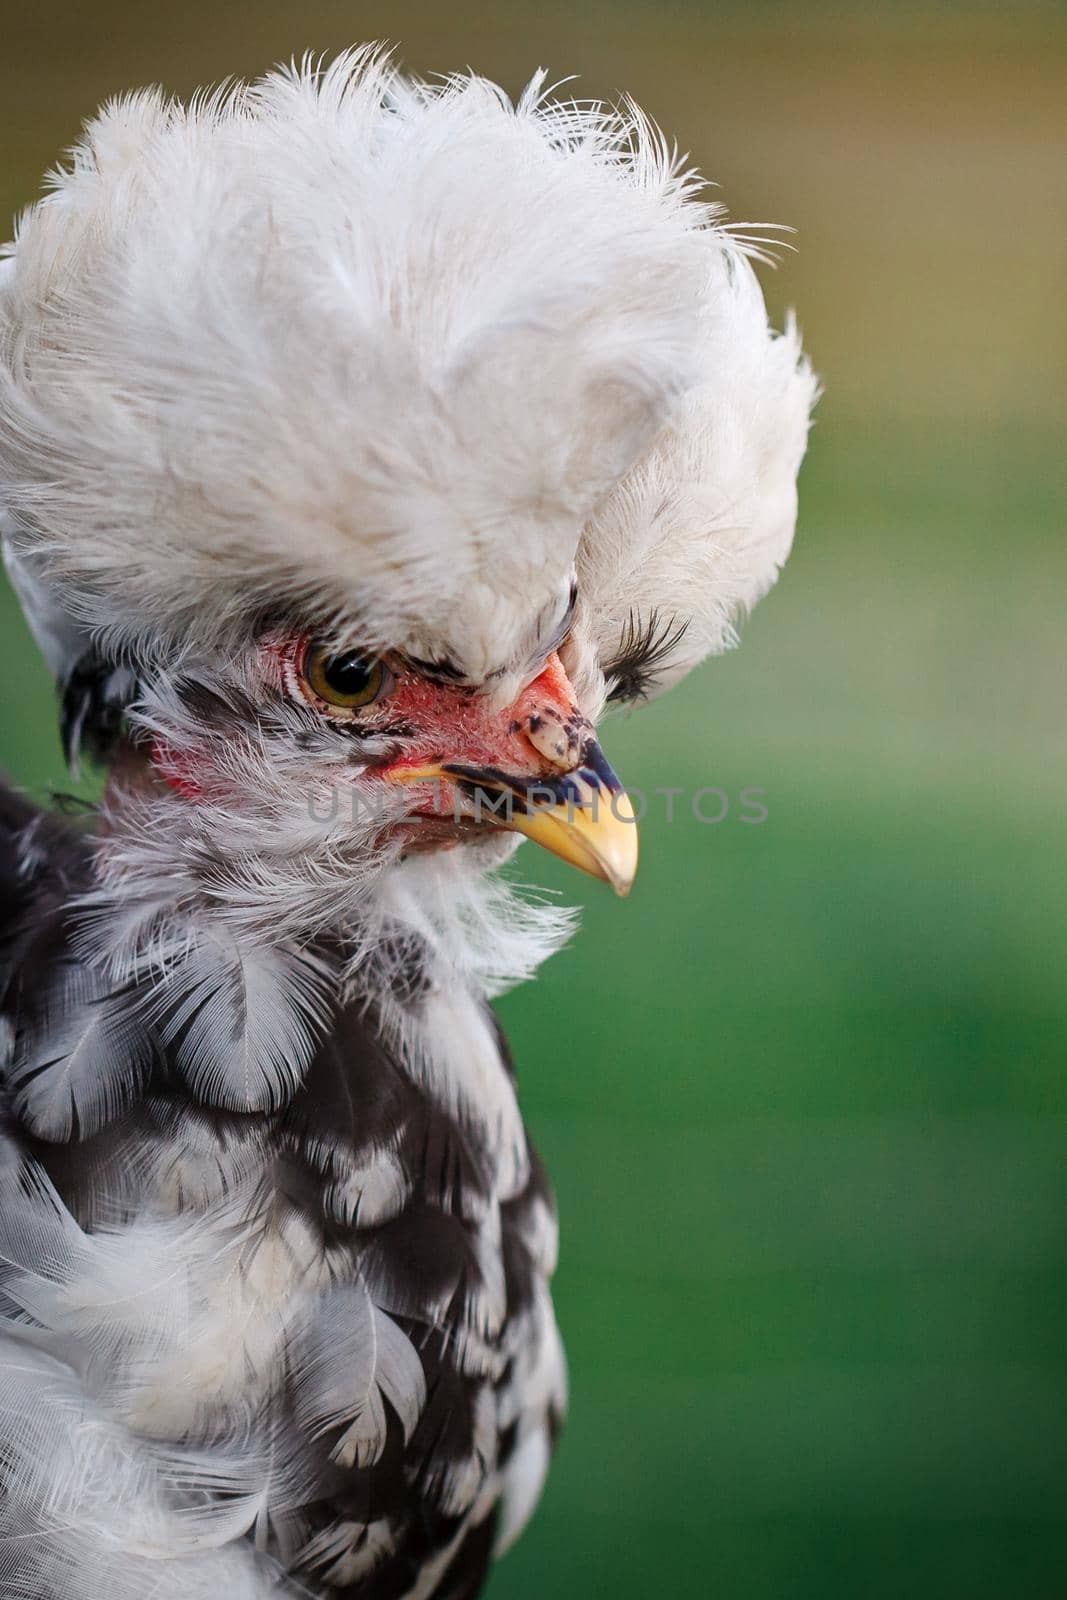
(354,1359)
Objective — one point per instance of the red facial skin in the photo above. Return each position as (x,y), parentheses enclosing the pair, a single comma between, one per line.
(438,722)
(455,726)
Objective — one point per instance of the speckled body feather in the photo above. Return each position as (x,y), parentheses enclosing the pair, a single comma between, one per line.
(336,1310)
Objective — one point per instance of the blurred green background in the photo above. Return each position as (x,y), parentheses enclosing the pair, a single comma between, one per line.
(803,1095)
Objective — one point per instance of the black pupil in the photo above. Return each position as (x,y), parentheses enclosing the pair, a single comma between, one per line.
(347,675)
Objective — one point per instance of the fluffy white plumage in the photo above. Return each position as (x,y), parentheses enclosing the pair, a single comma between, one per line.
(404,349)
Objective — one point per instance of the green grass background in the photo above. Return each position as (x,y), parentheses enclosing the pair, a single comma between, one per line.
(803,1095)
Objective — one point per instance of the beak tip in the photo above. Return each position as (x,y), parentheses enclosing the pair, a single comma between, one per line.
(612,854)
(621,878)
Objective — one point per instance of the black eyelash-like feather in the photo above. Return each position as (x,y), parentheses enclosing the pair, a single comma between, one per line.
(644,646)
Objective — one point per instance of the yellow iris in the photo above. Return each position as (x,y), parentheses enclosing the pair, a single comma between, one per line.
(349,680)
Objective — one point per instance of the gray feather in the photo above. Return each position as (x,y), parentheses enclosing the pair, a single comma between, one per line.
(84,1060)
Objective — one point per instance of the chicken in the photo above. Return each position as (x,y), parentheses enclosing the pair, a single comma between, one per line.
(360,440)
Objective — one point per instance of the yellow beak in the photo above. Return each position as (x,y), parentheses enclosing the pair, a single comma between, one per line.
(583,816)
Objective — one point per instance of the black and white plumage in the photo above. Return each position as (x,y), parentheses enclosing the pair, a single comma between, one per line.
(358,438)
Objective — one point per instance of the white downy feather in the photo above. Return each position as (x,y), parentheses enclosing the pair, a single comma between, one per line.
(174,1317)
(354,1358)
(90,1510)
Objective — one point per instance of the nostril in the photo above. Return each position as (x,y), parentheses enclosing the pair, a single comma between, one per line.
(552,738)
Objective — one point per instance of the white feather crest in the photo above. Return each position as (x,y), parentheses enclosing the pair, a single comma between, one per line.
(498,309)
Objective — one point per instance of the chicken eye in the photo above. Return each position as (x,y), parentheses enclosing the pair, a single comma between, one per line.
(349,680)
